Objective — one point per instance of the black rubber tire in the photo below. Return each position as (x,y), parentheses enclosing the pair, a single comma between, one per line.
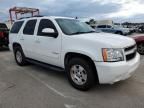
(23,62)
(90,74)
(140,52)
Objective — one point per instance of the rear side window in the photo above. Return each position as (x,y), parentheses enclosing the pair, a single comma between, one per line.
(29,27)
(16,27)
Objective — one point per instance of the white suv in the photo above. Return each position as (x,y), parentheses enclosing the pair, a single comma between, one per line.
(68,44)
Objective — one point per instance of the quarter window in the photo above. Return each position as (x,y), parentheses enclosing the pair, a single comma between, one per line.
(16,27)
(29,27)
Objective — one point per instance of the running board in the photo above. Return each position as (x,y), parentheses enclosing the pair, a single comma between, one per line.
(51,67)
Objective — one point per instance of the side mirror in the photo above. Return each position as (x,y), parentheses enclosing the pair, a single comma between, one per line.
(49,32)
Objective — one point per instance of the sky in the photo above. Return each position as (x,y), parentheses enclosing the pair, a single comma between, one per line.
(118,10)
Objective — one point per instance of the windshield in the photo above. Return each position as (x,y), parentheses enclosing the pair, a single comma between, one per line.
(72,26)
(3,26)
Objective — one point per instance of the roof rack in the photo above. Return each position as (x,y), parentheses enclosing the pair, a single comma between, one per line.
(22,10)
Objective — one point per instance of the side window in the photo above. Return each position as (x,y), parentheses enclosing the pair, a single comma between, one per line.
(45,23)
(16,27)
(99,27)
(102,26)
(108,26)
(29,27)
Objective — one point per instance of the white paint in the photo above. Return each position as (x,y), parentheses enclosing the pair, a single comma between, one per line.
(53,50)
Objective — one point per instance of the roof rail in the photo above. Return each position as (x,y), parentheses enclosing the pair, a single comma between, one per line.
(30,17)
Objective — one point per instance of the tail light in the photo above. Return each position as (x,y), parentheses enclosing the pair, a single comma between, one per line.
(1,34)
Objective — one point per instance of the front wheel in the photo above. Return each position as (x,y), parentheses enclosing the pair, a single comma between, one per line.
(140,48)
(80,74)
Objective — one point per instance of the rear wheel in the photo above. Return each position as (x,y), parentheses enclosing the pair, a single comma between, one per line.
(80,74)
(19,56)
(140,48)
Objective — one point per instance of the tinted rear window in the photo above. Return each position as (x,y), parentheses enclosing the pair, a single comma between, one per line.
(29,27)
(3,26)
(16,27)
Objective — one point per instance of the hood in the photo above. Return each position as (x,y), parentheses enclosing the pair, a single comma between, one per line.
(110,40)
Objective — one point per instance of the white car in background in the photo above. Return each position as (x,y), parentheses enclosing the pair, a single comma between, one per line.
(113,29)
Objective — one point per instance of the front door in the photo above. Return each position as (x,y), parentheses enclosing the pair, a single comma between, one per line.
(48,48)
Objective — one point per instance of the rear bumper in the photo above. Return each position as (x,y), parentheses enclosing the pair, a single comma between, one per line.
(110,73)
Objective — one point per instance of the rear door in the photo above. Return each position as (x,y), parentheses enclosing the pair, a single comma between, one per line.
(15,33)
(102,28)
(28,38)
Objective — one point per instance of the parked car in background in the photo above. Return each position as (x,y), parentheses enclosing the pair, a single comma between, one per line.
(113,29)
(140,43)
(72,46)
(4,32)
(141,29)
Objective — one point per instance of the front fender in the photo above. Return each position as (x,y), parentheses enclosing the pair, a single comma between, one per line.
(90,55)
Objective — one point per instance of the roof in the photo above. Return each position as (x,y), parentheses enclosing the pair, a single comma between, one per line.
(51,17)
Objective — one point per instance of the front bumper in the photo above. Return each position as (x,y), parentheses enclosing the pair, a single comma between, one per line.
(109,73)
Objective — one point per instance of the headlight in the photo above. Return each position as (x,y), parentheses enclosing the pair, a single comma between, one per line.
(112,55)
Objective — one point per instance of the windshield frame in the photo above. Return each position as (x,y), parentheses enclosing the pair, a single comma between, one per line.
(75,33)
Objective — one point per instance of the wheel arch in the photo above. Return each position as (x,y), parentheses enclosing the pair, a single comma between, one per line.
(15,44)
(70,55)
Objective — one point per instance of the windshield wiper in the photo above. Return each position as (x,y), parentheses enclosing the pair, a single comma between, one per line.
(77,33)
(90,32)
